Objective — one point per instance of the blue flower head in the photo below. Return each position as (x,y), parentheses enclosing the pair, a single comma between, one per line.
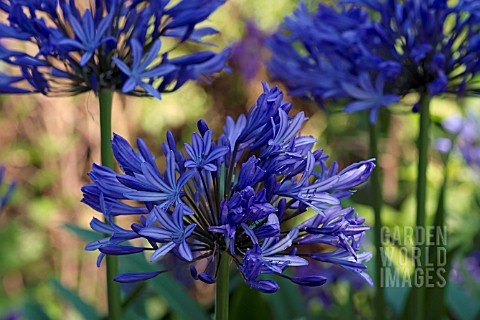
(5,191)
(372,53)
(258,193)
(127,46)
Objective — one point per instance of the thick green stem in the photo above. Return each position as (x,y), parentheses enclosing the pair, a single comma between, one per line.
(377,200)
(222,288)
(113,288)
(423,141)
(105,98)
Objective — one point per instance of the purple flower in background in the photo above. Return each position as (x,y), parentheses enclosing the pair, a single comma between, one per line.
(443,145)
(7,191)
(235,195)
(248,53)
(468,140)
(466,131)
(469,265)
(372,53)
(13,315)
(472,264)
(66,48)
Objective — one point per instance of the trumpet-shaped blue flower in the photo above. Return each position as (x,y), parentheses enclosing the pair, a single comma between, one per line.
(202,153)
(152,187)
(252,268)
(172,233)
(372,53)
(109,244)
(236,195)
(140,69)
(114,45)
(88,37)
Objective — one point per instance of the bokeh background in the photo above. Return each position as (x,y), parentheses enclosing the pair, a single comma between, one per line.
(49,144)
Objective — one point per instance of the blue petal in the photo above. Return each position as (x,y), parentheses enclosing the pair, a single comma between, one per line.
(207,278)
(135,277)
(184,250)
(120,250)
(156,233)
(266,286)
(310,281)
(163,250)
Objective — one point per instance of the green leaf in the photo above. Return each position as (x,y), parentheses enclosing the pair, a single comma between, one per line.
(460,303)
(435,295)
(83,308)
(437,277)
(408,312)
(286,303)
(244,297)
(136,309)
(34,311)
(175,294)
(396,296)
(84,234)
(177,298)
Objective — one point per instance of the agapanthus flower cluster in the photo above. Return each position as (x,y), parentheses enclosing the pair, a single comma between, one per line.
(6,189)
(466,137)
(259,193)
(65,47)
(373,53)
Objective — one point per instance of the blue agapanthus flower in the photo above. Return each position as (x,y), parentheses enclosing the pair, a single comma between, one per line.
(372,53)
(66,47)
(6,190)
(258,193)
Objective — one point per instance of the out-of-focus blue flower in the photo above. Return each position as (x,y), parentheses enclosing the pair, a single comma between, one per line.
(248,54)
(7,190)
(14,314)
(466,137)
(372,53)
(237,195)
(443,145)
(467,265)
(127,46)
